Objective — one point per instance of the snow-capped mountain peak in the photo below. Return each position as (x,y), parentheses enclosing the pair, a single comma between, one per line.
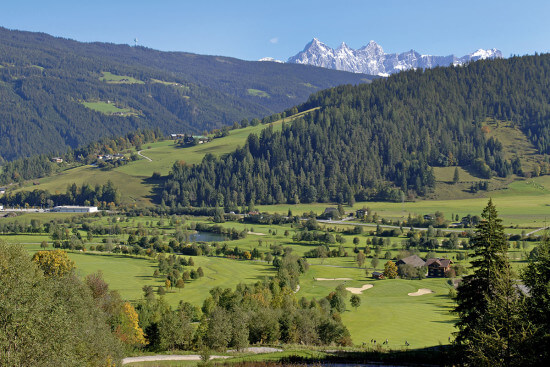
(371,58)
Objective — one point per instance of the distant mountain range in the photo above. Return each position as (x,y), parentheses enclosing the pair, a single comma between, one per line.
(371,59)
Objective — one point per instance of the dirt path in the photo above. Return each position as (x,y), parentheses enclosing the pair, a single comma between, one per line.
(167,357)
(149,159)
(195,357)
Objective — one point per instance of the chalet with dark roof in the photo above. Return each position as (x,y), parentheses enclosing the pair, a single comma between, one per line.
(438,267)
(413,260)
(377,275)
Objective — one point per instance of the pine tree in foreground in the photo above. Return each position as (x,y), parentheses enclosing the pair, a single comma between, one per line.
(492,324)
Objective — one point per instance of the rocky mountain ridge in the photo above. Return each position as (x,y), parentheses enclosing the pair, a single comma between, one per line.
(371,59)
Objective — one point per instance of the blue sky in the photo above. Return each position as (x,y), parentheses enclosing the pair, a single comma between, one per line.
(254,29)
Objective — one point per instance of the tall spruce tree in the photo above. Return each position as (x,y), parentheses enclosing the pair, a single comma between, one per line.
(536,277)
(456,176)
(492,327)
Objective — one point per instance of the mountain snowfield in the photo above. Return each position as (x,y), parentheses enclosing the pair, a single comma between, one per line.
(371,59)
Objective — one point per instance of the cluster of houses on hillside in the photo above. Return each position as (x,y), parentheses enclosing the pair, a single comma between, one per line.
(191,139)
(110,157)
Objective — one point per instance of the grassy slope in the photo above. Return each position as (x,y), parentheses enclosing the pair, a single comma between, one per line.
(132,178)
(129,274)
(110,78)
(107,108)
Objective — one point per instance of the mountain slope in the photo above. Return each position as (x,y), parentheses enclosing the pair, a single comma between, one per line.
(382,140)
(58,93)
(371,59)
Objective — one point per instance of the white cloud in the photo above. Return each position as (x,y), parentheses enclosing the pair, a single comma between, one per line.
(274,40)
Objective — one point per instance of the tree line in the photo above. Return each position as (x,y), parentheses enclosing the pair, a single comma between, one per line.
(103,196)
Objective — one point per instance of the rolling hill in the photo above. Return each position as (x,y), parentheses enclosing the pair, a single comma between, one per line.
(58,93)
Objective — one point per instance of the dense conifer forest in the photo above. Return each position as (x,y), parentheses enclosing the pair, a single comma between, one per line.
(45,81)
(379,141)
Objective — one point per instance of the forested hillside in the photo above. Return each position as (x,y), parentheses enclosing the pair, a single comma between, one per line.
(380,141)
(57,93)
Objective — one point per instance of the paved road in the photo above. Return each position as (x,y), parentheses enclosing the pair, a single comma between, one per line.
(347,221)
(149,159)
(537,230)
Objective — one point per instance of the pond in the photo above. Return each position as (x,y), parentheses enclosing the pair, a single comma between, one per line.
(207,237)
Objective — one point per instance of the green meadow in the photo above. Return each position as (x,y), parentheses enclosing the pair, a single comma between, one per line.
(109,108)
(129,274)
(525,203)
(111,78)
(257,93)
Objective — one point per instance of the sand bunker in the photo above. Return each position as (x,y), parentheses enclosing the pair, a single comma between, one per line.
(256,233)
(421,292)
(333,279)
(359,290)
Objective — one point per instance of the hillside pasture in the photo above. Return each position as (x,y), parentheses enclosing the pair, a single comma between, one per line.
(108,108)
(257,93)
(111,78)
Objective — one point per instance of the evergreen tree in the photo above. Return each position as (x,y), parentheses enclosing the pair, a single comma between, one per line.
(537,279)
(489,305)
(456,176)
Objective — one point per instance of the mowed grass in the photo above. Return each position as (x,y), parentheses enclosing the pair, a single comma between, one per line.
(128,275)
(387,311)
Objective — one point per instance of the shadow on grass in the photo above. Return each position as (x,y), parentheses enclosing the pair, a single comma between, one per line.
(157,184)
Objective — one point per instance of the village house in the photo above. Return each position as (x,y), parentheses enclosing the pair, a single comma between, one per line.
(377,275)
(438,268)
(360,213)
(57,160)
(413,260)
